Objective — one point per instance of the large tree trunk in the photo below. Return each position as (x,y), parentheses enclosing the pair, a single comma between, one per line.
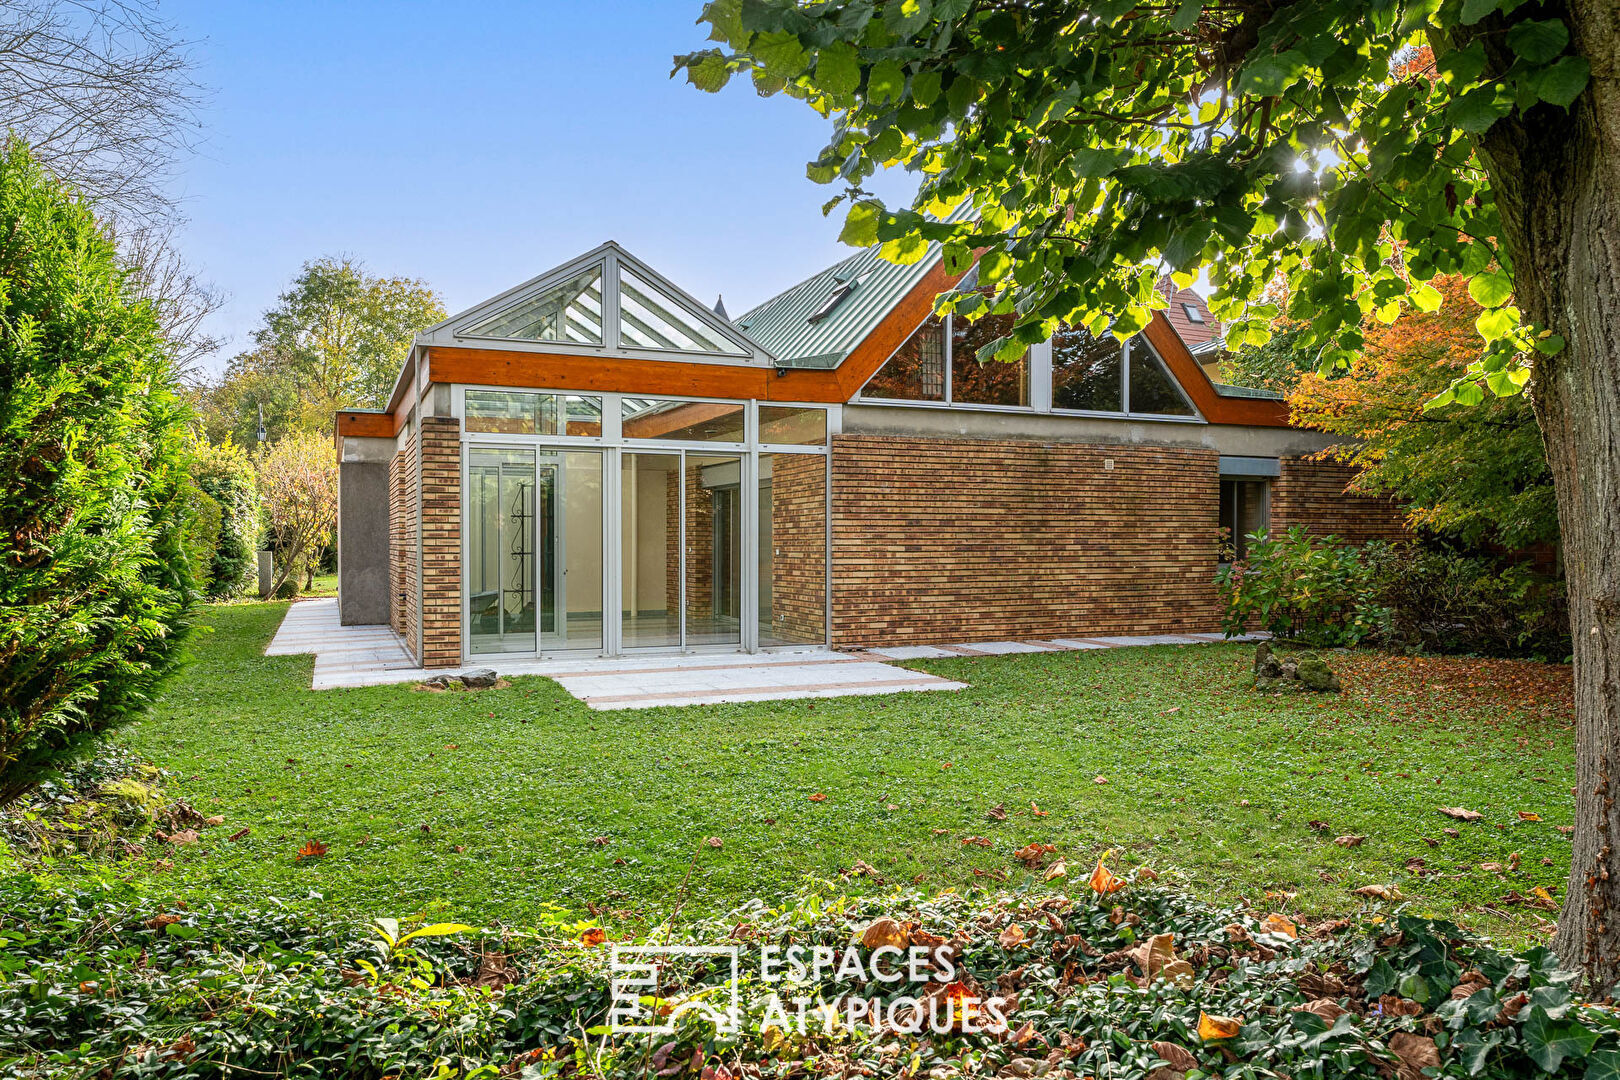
(1556,177)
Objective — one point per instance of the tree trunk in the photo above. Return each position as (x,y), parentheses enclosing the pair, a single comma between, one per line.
(1556,178)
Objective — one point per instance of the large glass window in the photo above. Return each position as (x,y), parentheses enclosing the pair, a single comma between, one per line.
(689,421)
(520,413)
(792,425)
(792,549)
(916,372)
(714,547)
(1152,388)
(571,311)
(650,554)
(503,572)
(1244,512)
(651,319)
(993,382)
(1086,371)
(940,362)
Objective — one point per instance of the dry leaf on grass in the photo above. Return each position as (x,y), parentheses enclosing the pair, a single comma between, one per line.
(1525,815)
(1277,923)
(715,842)
(1350,841)
(1057,870)
(883,932)
(1038,812)
(978,841)
(1103,881)
(1461,814)
(1033,856)
(312,850)
(997,812)
(1379,892)
(1011,937)
(1100,780)
(1417,1052)
(818,797)
(1177,1057)
(594,936)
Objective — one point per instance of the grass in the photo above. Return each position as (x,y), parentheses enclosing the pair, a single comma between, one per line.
(499,804)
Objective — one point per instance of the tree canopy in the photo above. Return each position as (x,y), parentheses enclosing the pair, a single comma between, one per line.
(335,339)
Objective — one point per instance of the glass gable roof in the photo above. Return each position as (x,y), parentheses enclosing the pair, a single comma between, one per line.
(648,319)
(571,311)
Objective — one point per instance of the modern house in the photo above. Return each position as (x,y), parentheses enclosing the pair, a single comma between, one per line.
(595,462)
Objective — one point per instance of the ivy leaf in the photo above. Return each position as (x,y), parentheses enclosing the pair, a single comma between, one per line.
(838,68)
(861,223)
(1538,40)
(1549,1041)
(1490,289)
(1603,1065)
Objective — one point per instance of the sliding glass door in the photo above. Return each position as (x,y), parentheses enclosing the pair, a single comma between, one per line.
(534,550)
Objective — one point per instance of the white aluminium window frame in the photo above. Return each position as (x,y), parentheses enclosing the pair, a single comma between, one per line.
(1040,386)
(612,445)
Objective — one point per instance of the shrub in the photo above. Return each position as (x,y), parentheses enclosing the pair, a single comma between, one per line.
(1137,983)
(203,519)
(1314,589)
(224,471)
(298,478)
(1444,602)
(95,585)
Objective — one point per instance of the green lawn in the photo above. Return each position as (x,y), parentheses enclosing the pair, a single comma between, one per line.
(490,805)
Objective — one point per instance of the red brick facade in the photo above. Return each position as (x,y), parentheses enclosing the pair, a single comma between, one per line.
(441,541)
(797,560)
(945,540)
(1312,493)
(404,613)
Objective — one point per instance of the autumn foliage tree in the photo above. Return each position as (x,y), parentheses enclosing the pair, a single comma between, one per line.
(1078,149)
(1476,474)
(298,481)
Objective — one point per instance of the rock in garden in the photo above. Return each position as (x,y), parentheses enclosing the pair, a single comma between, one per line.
(1307,671)
(479,678)
(440,681)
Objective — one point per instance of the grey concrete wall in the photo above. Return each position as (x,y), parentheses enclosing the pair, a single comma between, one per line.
(1059,428)
(362,541)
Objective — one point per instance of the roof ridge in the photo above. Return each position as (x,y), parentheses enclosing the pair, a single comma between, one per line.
(797,285)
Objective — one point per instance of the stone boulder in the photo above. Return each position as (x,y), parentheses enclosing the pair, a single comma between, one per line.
(479,678)
(1290,674)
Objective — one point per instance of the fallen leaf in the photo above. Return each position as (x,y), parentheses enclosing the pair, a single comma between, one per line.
(715,842)
(997,813)
(818,797)
(1453,833)
(941,832)
(1038,812)
(594,936)
(1350,841)
(1565,829)
(1177,1057)
(1460,814)
(1318,826)
(1104,882)
(240,834)
(1276,923)
(184,836)
(1526,816)
(1100,780)
(1417,1052)
(1056,870)
(158,922)
(883,932)
(1492,867)
(1011,937)
(1326,1008)
(601,841)
(891,806)
(1033,855)
(1378,892)
(312,850)
(218,819)
(1218,1027)
(977,841)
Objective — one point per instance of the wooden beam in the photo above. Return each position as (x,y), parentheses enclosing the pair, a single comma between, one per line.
(602,374)
(1254,412)
(364,425)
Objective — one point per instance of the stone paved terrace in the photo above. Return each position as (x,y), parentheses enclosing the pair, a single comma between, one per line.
(373,655)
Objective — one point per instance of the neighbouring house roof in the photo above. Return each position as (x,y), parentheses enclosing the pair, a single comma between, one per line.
(1188,315)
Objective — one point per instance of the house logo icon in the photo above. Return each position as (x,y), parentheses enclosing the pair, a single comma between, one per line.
(638,1000)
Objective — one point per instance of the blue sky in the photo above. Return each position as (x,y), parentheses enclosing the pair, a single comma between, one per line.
(475,145)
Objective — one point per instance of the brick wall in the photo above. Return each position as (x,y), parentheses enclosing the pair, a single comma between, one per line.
(798,555)
(403,613)
(946,540)
(1312,493)
(699,541)
(441,541)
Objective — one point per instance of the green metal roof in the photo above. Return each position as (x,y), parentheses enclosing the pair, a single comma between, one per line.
(800,329)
